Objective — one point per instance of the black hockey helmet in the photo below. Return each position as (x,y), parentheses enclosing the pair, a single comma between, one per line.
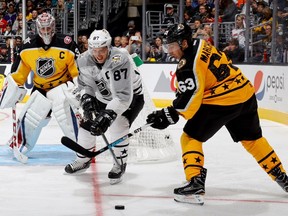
(177,33)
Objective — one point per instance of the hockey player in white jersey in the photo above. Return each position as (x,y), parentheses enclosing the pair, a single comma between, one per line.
(111,96)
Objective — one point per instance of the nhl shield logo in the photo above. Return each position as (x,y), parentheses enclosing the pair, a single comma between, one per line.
(45,67)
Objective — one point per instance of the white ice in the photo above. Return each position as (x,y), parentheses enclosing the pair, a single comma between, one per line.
(235,184)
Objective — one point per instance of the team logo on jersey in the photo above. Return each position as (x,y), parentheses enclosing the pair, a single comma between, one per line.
(67,40)
(102,86)
(181,63)
(116,59)
(45,67)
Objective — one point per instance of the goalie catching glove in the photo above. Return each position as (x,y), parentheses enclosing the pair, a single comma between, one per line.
(161,119)
(104,119)
(89,106)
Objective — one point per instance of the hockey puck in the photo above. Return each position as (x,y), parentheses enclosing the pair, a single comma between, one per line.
(119,207)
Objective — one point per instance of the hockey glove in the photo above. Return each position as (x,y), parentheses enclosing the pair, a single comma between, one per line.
(104,119)
(89,106)
(161,119)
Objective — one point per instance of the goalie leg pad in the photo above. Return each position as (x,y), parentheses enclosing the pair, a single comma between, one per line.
(11,93)
(32,119)
(119,128)
(63,112)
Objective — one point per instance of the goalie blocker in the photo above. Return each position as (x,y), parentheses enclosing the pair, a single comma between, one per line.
(11,93)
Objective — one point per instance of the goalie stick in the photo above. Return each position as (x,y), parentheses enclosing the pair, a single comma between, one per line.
(17,154)
(69,143)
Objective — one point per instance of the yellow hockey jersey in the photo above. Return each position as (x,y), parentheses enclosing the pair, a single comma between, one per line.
(206,76)
(52,64)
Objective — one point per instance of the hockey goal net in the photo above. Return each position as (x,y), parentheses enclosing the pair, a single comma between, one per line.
(150,145)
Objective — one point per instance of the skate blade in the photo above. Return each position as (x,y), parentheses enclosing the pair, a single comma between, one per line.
(79,172)
(115,181)
(192,199)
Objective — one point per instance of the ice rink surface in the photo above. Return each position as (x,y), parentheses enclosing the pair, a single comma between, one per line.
(235,184)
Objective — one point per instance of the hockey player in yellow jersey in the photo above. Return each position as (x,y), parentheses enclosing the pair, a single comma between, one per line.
(51,59)
(211,93)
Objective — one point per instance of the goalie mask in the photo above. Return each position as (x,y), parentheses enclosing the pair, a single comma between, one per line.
(46,27)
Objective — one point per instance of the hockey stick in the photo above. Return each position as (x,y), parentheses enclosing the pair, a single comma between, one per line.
(69,143)
(112,152)
(17,154)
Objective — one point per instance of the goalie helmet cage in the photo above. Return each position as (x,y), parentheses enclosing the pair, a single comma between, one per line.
(150,145)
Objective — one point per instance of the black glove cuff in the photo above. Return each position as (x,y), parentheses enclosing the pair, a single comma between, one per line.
(171,115)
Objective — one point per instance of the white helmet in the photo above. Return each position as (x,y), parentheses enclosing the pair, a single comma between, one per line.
(46,27)
(99,38)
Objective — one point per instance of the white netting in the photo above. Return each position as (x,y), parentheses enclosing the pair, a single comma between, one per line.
(150,145)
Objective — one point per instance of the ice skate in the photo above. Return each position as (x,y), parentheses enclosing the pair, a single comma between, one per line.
(193,191)
(281,178)
(80,165)
(116,173)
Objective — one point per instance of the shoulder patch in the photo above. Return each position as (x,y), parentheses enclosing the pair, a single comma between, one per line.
(67,40)
(116,59)
(181,63)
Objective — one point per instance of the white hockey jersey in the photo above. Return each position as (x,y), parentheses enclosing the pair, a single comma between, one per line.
(113,83)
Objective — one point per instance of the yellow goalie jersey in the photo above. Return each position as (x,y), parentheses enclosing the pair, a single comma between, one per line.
(206,76)
(52,64)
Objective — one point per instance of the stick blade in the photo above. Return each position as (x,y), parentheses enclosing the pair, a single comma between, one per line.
(19,156)
(71,144)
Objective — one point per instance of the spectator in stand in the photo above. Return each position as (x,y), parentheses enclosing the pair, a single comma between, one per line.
(208,34)
(188,18)
(170,16)
(3,24)
(40,8)
(205,15)
(267,43)
(8,31)
(156,51)
(279,51)
(84,45)
(3,7)
(188,7)
(16,22)
(18,43)
(229,10)
(197,28)
(48,7)
(60,8)
(266,18)
(234,52)
(117,41)
(239,31)
(209,6)
(29,9)
(124,41)
(31,23)
(4,54)
(79,40)
(11,15)
(19,29)
(131,29)
(135,44)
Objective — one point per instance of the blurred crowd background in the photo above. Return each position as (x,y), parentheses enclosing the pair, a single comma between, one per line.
(251,31)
